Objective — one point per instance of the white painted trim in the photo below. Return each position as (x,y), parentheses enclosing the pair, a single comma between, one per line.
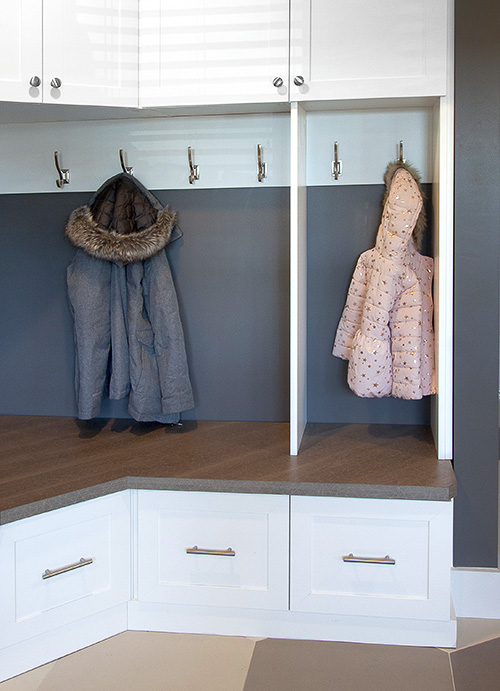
(476,593)
(22,657)
(298,277)
(293,625)
(443,253)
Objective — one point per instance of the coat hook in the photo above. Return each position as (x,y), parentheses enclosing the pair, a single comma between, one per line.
(63,173)
(336,163)
(194,170)
(261,166)
(401,157)
(126,169)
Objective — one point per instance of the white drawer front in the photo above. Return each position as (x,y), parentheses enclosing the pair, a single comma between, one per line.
(213,549)
(56,551)
(336,544)
(96,531)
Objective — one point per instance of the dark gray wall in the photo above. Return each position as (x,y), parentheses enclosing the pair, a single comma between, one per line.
(232,275)
(477,238)
(343,223)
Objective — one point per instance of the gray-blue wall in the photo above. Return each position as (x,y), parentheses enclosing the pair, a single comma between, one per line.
(477,245)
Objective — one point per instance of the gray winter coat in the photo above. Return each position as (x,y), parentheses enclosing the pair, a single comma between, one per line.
(128,334)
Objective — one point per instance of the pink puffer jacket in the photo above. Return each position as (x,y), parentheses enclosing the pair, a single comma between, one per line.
(386,327)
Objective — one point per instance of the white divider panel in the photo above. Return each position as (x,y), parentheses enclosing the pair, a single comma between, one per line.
(224,147)
(367,141)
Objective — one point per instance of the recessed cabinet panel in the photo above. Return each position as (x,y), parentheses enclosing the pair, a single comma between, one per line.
(371,557)
(65,565)
(367,48)
(90,52)
(213,51)
(213,549)
(21,51)
(61,566)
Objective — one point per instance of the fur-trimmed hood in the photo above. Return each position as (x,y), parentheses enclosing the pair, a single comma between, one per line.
(389,174)
(123,222)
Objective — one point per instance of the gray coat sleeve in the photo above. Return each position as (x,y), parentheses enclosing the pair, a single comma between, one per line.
(89,294)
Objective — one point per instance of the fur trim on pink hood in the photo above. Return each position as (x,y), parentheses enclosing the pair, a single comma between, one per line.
(386,327)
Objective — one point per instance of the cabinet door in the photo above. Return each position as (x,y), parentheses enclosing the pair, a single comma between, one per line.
(346,49)
(206,548)
(21,51)
(198,52)
(63,566)
(91,48)
(371,557)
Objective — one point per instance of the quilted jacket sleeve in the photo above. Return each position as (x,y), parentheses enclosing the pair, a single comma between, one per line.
(350,320)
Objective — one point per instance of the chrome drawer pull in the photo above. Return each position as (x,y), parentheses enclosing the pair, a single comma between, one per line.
(63,569)
(369,560)
(217,552)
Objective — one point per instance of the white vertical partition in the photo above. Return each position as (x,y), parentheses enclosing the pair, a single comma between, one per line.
(298,277)
(443,187)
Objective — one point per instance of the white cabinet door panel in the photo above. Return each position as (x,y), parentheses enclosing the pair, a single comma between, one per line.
(368,48)
(334,541)
(91,46)
(97,531)
(21,50)
(254,527)
(213,51)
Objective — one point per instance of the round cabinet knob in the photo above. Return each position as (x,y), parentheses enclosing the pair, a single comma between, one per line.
(298,80)
(35,81)
(56,83)
(277,82)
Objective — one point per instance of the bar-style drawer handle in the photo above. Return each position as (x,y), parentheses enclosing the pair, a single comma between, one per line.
(369,560)
(48,573)
(217,552)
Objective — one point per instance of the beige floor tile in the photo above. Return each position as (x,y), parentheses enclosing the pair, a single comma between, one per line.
(477,668)
(27,682)
(142,661)
(472,631)
(321,666)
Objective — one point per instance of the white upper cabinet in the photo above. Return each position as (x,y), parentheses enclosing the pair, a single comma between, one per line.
(348,49)
(202,52)
(21,51)
(82,52)
(91,47)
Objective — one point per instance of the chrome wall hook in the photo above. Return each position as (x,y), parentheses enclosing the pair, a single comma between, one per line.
(401,158)
(63,173)
(261,166)
(125,168)
(336,163)
(194,170)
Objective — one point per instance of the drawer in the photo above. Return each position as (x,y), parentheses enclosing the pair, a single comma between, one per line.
(371,557)
(64,565)
(229,550)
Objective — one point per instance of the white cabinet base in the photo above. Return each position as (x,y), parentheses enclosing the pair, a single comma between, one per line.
(24,656)
(294,625)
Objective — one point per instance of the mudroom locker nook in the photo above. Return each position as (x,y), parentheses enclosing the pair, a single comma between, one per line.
(271,147)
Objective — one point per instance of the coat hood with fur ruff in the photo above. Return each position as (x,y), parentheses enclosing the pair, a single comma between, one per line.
(123,222)
(390,172)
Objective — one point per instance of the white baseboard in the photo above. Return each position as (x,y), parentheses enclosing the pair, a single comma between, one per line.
(476,593)
(227,621)
(33,652)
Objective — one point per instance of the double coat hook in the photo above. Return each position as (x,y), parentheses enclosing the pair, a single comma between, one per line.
(194,170)
(125,168)
(63,173)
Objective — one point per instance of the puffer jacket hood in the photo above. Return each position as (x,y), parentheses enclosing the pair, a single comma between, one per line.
(123,222)
(421,221)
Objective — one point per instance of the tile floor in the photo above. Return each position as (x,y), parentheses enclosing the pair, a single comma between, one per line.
(140,661)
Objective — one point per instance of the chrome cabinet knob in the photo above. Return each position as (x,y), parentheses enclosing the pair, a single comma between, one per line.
(56,83)
(35,81)
(277,82)
(298,80)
